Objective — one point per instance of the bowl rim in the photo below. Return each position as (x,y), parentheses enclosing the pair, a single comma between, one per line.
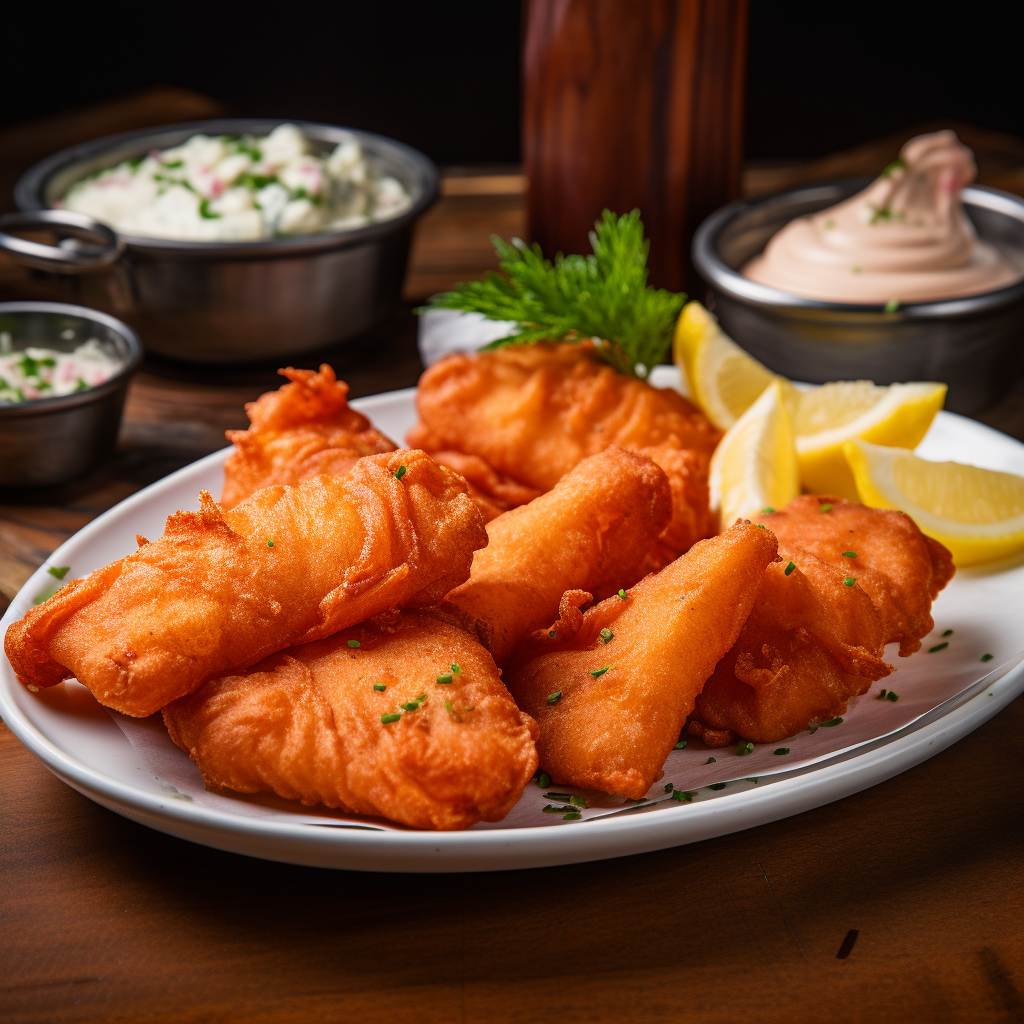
(716,273)
(29,188)
(43,406)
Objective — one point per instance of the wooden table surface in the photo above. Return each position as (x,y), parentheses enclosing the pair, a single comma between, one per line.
(104,920)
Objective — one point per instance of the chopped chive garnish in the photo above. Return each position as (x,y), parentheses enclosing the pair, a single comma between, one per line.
(781,750)
(554,698)
(681,745)
(393,717)
(947,632)
(638,801)
(986,657)
(447,678)
(718,785)
(578,801)
(892,305)
(400,472)
(938,647)
(352,643)
(683,796)
(59,571)
(606,634)
(710,760)
(825,508)
(767,511)
(849,581)
(410,705)
(380,687)
(270,543)
(849,554)
(745,748)
(838,720)
(622,594)
(600,671)
(789,568)
(552,633)
(881,695)
(456,669)
(669,787)
(572,816)
(563,797)
(421,697)
(892,696)
(447,705)
(552,809)
(543,780)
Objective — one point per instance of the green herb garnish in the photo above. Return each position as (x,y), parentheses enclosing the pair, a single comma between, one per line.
(680,745)
(896,165)
(718,785)
(80,385)
(848,581)
(789,568)
(825,508)
(205,212)
(400,472)
(832,721)
(543,780)
(938,647)
(173,165)
(849,554)
(603,296)
(270,543)
(767,511)
(456,669)
(622,594)
(388,719)
(606,635)
(891,306)
(781,750)
(446,678)
(380,687)
(600,671)
(744,747)
(59,571)
(554,698)
(710,760)
(947,632)
(683,796)
(986,657)
(352,643)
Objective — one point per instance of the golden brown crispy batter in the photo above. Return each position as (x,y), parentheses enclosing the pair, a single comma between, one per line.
(533,412)
(302,430)
(593,532)
(493,492)
(625,694)
(813,641)
(222,590)
(306,724)
(900,568)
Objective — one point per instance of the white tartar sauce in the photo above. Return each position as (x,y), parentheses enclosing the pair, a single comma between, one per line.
(46,373)
(240,189)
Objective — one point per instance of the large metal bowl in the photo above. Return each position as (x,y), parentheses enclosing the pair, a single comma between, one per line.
(48,441)
(972,344)
(223,302)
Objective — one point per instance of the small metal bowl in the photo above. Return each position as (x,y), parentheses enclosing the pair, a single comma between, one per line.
(972,344)
(223,302)
(46,441)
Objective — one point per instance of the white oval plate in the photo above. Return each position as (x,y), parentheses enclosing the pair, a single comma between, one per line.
(80,743)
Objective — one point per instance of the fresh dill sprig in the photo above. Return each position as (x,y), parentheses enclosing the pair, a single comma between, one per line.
(603,296)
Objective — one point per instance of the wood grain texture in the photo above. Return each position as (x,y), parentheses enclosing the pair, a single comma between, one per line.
(104,920)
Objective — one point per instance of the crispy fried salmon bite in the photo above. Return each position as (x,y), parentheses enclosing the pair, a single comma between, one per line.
(852,579)
(403,717)
(222,590)
(592,532)
(612,690)
(303,429)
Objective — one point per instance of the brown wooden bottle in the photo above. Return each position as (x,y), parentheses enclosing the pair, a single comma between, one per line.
(632,103)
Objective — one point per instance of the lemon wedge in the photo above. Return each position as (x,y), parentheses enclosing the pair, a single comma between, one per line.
(826,417)
(977,513)
(724,381)
(754,466)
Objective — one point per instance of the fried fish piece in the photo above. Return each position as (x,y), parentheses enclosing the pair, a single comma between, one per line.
(860,578)
(222,590)
(593,531)
(303,429)
(612,690)
(493,492)
(532,412)
(403,717)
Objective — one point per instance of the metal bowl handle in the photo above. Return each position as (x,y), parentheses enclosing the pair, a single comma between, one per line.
(101,244)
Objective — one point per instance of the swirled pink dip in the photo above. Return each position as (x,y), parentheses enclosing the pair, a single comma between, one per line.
(905,238)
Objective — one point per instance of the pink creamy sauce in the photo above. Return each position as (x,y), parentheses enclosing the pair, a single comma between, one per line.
(903,239)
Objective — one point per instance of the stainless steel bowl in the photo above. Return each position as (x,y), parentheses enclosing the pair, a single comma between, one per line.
(53,440)
(972,344)
(223,302)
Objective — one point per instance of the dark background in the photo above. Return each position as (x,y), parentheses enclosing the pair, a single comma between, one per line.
(445,76)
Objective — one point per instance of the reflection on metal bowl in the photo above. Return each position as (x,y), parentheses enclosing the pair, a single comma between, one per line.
(972,344)
(48,441)
(224,302)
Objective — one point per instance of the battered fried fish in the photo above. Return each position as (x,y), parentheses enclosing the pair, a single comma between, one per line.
(403,717)
(222,590)
(302,430)
(592,532)
(533,412)
(861,578)
(612,690)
